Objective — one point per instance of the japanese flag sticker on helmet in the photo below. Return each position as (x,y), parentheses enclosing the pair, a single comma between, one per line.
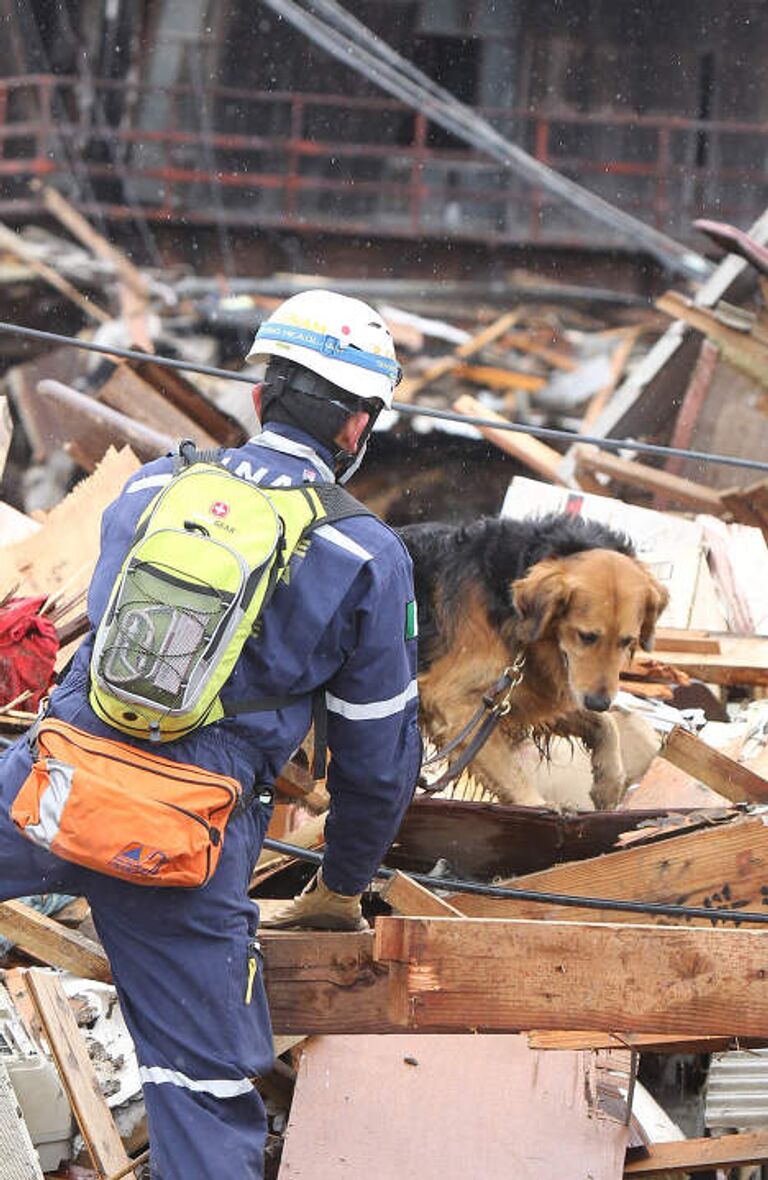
(341,339)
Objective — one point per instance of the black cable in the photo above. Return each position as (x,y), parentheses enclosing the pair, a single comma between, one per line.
(606,444)
(653,908)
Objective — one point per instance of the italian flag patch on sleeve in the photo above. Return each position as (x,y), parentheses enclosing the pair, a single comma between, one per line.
(411,623)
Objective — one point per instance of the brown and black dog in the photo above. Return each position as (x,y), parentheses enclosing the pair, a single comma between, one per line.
(569,594)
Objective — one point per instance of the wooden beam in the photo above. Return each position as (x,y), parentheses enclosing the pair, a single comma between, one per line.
(408,388)
(51,943)
(70,1053)
(495,377)
(592,461)
(710,766)
(466,975)
(16,245)
(319,982)
(723,867)
(741,349)
(542,459)
(686,1156)
(407,896)
(449,975)
(81,228)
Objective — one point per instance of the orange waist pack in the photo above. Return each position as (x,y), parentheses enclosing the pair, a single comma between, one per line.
(122,811)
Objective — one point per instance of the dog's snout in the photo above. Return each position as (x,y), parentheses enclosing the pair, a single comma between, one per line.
(597,701)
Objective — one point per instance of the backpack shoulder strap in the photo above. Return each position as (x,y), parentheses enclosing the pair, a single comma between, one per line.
(338,503)
(188,453)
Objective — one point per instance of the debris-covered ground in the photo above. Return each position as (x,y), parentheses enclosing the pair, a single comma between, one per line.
(648,1037)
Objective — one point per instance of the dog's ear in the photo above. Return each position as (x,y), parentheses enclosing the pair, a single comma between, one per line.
(540,598)
(656,598)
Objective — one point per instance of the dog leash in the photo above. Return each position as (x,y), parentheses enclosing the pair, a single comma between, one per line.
(496,703)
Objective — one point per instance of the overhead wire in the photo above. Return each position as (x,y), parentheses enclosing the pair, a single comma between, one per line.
(620,905)
(544,432)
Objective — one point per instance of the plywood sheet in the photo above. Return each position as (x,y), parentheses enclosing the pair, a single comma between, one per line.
(447,1108)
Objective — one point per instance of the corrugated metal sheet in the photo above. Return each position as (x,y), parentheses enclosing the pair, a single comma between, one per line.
(736,1093)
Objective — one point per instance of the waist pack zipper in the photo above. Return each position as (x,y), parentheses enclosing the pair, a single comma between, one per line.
(162,768)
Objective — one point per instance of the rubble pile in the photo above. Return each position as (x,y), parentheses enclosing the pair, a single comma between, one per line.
(616,991)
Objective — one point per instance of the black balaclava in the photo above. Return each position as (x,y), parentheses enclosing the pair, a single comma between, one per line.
(295,396)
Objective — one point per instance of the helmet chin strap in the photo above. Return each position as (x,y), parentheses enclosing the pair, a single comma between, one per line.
(345,473)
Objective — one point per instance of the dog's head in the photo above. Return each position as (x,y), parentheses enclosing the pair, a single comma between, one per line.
(598,606)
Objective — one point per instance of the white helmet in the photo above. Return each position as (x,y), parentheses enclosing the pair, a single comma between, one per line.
(339,338)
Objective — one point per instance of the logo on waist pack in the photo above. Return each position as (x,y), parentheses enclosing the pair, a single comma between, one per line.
(139,860)
(219,508)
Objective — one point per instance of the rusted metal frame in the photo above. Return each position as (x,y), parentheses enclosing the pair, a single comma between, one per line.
(419,153)
(660,198)
(541,153)
(295,148)
(616,118)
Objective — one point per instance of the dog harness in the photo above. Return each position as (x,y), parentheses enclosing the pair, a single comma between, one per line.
(496,703)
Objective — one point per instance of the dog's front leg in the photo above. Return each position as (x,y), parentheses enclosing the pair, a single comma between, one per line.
(600,734)
(500,766)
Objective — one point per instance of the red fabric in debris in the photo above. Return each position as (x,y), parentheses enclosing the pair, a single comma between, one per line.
(28,647)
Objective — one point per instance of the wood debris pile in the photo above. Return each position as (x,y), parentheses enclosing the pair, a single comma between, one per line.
(617,993)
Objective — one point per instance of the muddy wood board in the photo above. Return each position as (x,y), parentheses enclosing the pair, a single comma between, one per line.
(722,868)
(485,840)
(405,1126)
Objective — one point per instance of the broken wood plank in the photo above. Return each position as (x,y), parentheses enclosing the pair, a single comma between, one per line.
(741,349)
(16,245)
(692,404)
(641,1042)
(70,1053)
(408,388)
(50,942)
(698,497)
(542,459)
(129,393)
(90,427)
(494,377)
(742,659)
(81,228)
(676,639)
(619,361)
(688,1156)
(407,896)
(497,840)
(70,539)
(710,766)
(528,342)
(449,974)
(722,867)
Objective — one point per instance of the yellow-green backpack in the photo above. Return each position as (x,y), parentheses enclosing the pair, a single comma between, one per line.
(206,556)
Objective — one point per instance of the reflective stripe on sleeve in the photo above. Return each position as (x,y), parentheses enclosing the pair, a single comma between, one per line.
(149,481)
(336,537)
(224,1088)
(374,710)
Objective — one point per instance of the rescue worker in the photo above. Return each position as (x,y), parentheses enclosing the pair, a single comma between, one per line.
(184,960)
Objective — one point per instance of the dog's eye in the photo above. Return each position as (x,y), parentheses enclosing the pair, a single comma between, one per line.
(588,638)
(626,641)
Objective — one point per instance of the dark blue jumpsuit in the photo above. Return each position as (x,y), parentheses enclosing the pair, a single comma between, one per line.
(180,957)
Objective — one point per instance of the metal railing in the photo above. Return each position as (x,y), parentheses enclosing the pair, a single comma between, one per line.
(368,166)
